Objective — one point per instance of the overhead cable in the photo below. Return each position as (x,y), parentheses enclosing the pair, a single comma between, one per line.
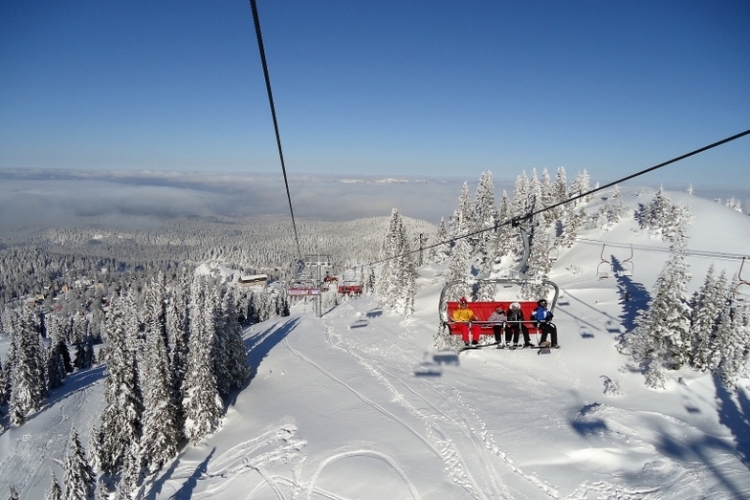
(256,18)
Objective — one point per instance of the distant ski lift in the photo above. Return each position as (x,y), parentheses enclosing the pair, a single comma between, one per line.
(554,253)
(740,293)
(604,269)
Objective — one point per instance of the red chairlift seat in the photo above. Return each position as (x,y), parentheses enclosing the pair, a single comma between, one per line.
(483,309)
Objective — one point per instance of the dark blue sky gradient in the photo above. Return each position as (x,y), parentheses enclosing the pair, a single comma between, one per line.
(390,87)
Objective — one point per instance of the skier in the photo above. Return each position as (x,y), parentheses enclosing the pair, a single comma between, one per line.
(464,315)
(543,317)
(498,318)
(515,324)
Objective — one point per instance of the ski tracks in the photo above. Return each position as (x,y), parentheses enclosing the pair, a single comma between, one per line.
(469,454)
(275,446)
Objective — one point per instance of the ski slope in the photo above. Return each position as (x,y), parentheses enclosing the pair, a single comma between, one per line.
(358,404)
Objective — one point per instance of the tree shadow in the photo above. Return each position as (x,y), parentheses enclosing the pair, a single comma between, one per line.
(186,492)
(697,449)
(157,485)
(736,417)
(633,296)
(75,382)
(587,423)
(261,344)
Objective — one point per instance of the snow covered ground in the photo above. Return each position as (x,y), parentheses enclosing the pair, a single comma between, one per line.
(359,405)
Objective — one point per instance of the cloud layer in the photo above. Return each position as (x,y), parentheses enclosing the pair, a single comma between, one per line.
(44,198)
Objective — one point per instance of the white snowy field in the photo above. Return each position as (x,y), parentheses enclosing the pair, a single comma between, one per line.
(359,405)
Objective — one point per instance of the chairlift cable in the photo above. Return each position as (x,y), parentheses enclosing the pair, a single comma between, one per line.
(256,19)
(685,251)
(519,219)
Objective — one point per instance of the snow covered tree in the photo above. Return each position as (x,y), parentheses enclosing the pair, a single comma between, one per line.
(734,204)
(458,269)
(707,307)
(54,492)
(548,198)
(560,192)
(178,333)
(55,367)
(613,210)
(663,218)
(13,493)
(572,222)
(396,284)
(581,184)
(504,240)
(202,404)
(160,432)
(661,339)
(28,371)
(733,341)
(439,251)
(79,477)
(462,219)
(232,360)
(539,264)
(484,214)
(121,417)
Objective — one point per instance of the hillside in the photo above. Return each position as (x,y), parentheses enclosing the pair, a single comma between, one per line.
(359,404)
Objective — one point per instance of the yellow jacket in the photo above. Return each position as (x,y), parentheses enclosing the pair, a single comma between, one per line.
(464,315)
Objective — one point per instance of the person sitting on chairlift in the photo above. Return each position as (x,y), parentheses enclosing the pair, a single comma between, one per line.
(516,326)
(498,319)
(464,315)
(543,317)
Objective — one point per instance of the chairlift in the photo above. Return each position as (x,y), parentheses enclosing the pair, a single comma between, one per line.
(737,295)
(627,265)
(554,253)
(350,285)
(603,272)
(451,292)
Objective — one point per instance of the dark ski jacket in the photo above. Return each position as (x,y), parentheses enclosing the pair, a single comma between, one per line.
(515,315)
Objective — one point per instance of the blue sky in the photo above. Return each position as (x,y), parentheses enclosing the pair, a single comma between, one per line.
(388,88)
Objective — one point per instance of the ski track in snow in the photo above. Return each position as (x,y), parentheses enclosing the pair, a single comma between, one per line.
(276,446)
(39,448)
(458,430)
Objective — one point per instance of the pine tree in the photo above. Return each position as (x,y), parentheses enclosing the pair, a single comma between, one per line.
(28,381)
(458,269)
(13,494)
(661,338)
(539,264)
(613,210)
(160,426)
(54,492)
(581,184)
(178,333)
(79,477)
(202,403)
(484,214)
(3,388)
(396,285)
(548,198)
(707,306)
(504,242)
(121,418)
(234,357)
(439,251)
(462,219)
(733,340)
(55,367)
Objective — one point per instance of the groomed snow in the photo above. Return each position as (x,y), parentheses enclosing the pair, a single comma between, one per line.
(359,405)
